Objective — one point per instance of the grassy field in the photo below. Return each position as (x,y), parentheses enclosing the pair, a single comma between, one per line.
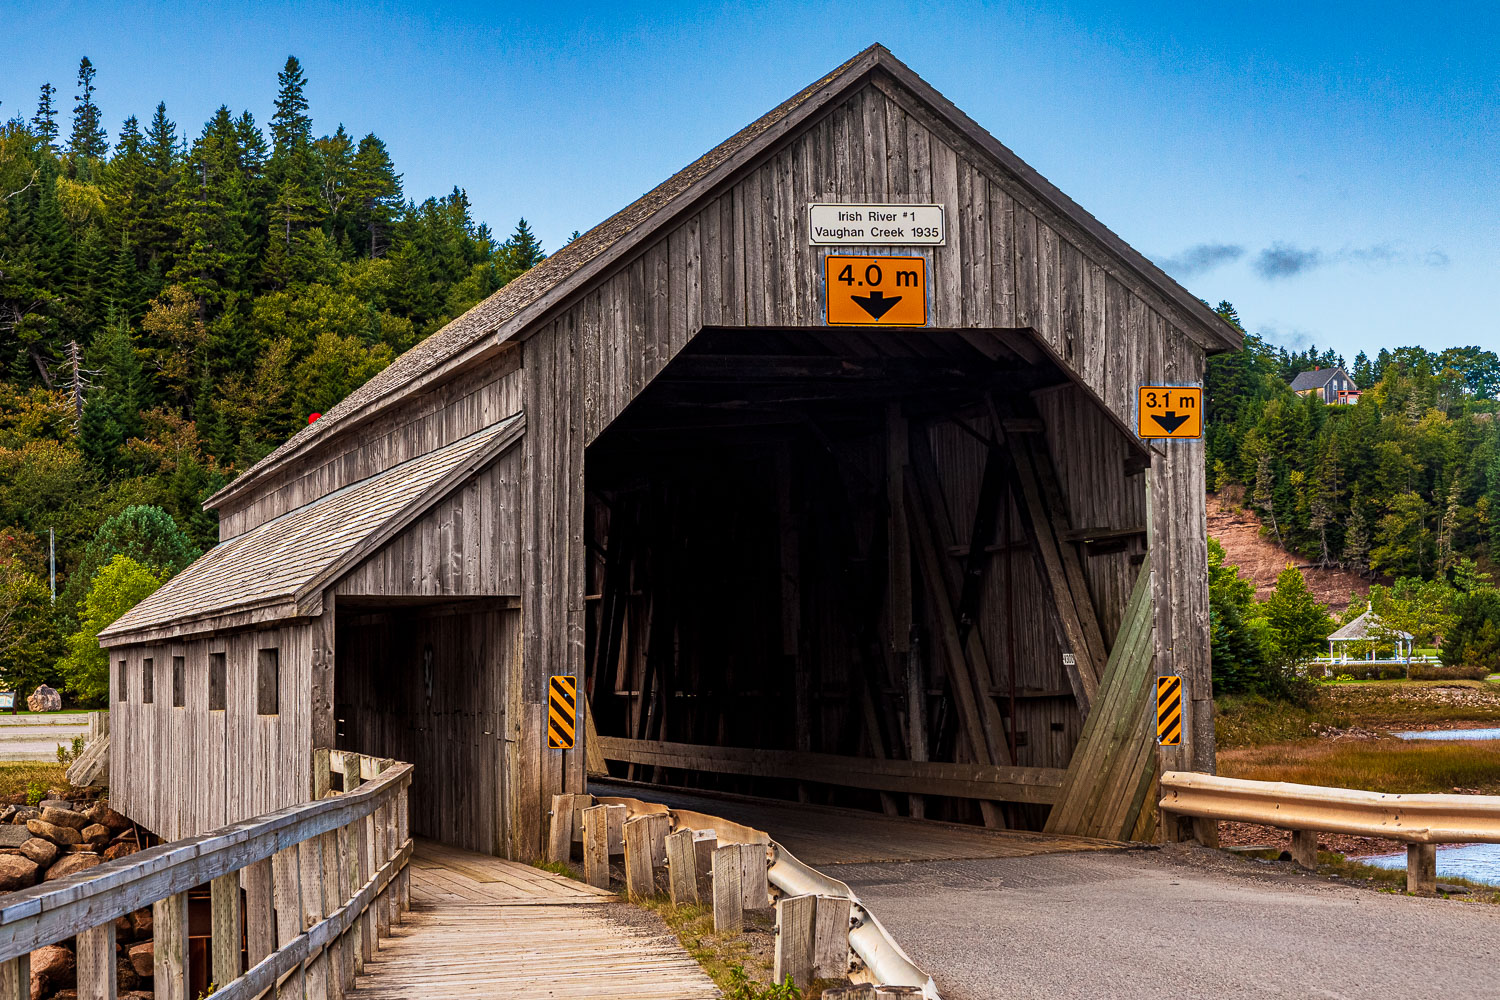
(18,777)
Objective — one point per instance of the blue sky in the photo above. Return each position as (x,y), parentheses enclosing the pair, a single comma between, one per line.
(1333,169)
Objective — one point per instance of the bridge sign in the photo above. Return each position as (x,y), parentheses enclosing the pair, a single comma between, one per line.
(875,225)
(1170,411)
(562,712)
(876,291)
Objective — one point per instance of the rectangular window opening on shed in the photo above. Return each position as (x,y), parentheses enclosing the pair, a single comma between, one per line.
(268,682)
(148,680)
(124,688)
(216,682)
(179,682)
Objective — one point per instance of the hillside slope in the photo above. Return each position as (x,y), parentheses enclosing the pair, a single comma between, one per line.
(1260,558)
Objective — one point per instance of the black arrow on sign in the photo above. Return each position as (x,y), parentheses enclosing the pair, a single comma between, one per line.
(877,305)
(1170,421)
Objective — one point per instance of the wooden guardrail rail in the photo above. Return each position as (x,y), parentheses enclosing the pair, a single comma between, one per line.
(975,781)
(1420,821)
(321,880)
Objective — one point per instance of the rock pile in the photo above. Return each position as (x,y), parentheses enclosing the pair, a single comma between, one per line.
(64,836)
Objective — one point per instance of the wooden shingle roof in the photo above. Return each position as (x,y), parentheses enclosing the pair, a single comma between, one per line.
(281,567)
(508,311)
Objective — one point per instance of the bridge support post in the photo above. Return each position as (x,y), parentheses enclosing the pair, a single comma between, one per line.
(795,939)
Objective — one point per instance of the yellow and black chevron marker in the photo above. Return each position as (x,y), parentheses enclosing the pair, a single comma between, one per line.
(1168,710)
(562,712)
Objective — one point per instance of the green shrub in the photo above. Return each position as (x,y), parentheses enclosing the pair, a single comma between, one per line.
(1457,672)
(35,793)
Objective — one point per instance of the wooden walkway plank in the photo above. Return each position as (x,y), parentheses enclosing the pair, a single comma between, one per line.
(482,928)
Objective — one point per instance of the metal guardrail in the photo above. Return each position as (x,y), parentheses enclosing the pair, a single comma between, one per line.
(1419,821)
(321,881)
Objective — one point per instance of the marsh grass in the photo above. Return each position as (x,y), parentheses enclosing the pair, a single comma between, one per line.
(1387,765)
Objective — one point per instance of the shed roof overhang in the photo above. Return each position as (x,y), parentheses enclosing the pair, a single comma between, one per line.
(518,307)
(278,570)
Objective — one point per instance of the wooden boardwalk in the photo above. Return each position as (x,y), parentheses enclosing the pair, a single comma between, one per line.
(482,928)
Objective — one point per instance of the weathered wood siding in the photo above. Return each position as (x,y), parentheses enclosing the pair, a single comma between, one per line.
(467,403)
(429,686)
(743,259)
(179,771)
(466,545)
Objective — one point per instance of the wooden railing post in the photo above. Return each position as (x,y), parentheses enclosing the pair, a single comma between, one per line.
(640,877)
(260,913)
(403,834)
(333,898)
(596,846)
(1421,869)
(363,848)
(729,901)
(794,939)
(1305,849)
(310,874)
(169,953)
(831,937)
(392,848)
(15,979)
(354,961)
(96,962)
(224,903)
(287,893)
(681,874)
(755,887)
(382,851)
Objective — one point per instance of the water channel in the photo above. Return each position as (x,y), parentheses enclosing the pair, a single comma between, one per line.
(1479,862)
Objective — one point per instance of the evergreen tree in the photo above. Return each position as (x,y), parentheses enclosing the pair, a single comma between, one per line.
(376,191)
(522,251)
(1299,624)
(44,122)
(88,141)
(1356,554)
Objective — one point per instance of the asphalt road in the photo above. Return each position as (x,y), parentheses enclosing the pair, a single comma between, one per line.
(1181,922)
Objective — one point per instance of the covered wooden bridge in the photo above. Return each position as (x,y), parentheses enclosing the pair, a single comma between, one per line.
(920,563)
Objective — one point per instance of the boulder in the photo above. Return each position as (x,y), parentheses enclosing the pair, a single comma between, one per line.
(55,800)
(62,836)
(60,816)
(16,872)
(71,865)
(7,813)
(44,699)
(119,850)
(13,836)
(141,920)
(42,852)
(51,969)
(138,995)
(97,834)
(126,977)
(124,932)
(142,959)
(101,813)
(24,813)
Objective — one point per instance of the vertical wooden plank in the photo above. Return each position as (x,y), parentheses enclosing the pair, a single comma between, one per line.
(310,878)
(729,902)
(831,938)
(560,837)
(15,975)
(596,846)
(640,880)
(794,939)
(335,886)
(755,888)
(287,892)
(224,901)
(657,825)
(95,949)
(615,815)
(169,934)
(704,846)
(260,916)
(682,879)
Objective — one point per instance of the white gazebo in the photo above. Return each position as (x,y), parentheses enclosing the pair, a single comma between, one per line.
(1359,630)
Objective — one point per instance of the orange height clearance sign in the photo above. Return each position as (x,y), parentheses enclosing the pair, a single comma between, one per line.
(876,291)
